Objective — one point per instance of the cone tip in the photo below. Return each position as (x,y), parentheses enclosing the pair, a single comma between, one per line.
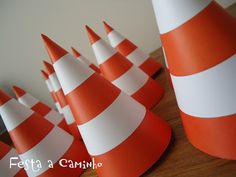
(93,37)
(76,54)
(49,68)
(19,92)
(108,28)
(55,51)
(45,75)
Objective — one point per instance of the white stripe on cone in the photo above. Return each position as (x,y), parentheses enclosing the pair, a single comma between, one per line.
(84,60)
(28,100)
(71,70)
(101,52)
(171,14)
(16,119)
(115,38)
(68,114)
(55,83)
(126,82)
(137,57)
(54,117)
(115,118)
(204,88)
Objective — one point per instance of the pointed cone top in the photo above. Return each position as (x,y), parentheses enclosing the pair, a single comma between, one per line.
(48,67)
(55,52)
(108,28)
(45,75)
(76,54)
(18,91)
(4,97)
(93,37)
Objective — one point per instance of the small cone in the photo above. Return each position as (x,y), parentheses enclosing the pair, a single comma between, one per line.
(128,49)
(112,124)
(62,101)
(44,110)
(77,55)
(200,45)
(123,74)
(50,89)
(6,153)
(36,138)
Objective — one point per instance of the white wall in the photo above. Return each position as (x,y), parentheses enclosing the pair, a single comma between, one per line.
(22,22)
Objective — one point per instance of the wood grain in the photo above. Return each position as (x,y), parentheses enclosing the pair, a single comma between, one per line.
(181,159)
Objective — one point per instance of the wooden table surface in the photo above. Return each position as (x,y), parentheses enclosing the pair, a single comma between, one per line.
(181,159)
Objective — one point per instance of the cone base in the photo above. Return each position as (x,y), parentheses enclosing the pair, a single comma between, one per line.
(214,136)
(139,151)
(150,94)
(150,66)
(77,153)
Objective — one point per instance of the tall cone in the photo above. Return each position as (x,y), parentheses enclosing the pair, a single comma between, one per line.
(6,154)
(113,125)
(80,57)
(36,138)
(66,110)
(123,74)
(44,110)
(50,89)
(124,46)
(200,44)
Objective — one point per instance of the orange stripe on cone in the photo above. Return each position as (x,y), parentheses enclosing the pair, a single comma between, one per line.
(215,130)
(90,95)
(221,22)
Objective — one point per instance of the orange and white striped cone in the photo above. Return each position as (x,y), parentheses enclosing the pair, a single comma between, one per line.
(6,153)
(44,110)
(113,125)
(50,89)
(200,44)
(145,62)
(35,138)
(123,74)
(83,59)
(62,101)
